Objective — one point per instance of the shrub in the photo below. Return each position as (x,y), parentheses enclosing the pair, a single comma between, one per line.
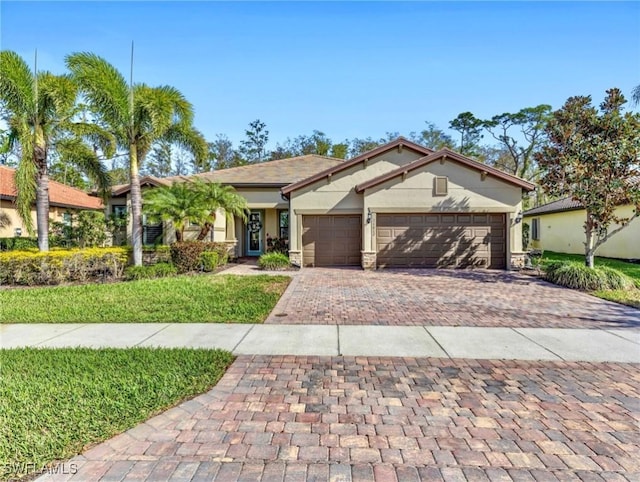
(155,254)
(158,270)
(578,276)
(274,261)
(209,260)
(61,265)
(186,255)
(18,244)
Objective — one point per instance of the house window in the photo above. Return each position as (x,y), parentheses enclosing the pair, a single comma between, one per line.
(66,218)
(283,220)
(535,229)
(440,186)
(119,211)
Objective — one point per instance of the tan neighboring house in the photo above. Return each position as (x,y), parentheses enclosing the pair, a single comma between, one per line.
(63,201)
(559,226)
(399,205)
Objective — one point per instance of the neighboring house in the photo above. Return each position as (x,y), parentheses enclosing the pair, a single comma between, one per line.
(399,205)
(559,226)
(64,201)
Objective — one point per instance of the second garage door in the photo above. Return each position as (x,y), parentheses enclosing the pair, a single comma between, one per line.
(331,240)
(441,240)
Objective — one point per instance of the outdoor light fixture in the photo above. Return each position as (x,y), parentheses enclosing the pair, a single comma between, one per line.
(368,215)
(518,218)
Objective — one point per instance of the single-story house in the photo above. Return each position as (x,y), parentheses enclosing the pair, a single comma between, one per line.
(399,205)
(559,226)
(64,201)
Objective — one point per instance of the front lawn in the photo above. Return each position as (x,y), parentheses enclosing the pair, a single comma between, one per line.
(180,299)
(56,402)
(625,297)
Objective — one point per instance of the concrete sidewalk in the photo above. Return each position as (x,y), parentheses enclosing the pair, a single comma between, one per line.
(591,345)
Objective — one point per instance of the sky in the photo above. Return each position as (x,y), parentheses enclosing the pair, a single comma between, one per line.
(349,69)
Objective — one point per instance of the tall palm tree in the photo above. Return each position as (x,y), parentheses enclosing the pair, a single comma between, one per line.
(39,108)
(179,203)
(217,196)
(138,116)
(635,95)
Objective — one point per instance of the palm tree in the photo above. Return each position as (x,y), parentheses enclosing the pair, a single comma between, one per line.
(39,109)
(217,196)
(138,116)
(635,95)
(179,203)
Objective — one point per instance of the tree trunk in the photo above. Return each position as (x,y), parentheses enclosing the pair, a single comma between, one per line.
(42,191)
(206,228)
(589,249)
(179,235)
(136,206)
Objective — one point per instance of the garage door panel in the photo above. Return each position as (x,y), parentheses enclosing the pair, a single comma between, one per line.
(441,240)
(332,240)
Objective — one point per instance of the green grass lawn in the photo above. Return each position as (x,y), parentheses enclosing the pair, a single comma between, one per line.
(625,297)
(56,402)
(180,299)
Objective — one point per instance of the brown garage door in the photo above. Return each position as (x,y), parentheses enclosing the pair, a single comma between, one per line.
(331,240)
(441,240)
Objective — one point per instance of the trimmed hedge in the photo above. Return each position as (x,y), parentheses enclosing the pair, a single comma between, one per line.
(186,256)
(578,276)
(61,265)
(209,260)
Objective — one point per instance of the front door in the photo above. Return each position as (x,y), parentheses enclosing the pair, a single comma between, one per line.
(254,233)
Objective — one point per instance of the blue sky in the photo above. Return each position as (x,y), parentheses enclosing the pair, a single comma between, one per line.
(349,69)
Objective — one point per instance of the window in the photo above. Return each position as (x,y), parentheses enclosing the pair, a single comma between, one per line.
(283,220)
(535,229)
(440,186)
(66,218)
(119,211)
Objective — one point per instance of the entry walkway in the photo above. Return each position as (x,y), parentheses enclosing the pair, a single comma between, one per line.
(496,343)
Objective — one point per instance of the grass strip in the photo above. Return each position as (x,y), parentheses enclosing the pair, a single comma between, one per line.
(180,299)
(56,402)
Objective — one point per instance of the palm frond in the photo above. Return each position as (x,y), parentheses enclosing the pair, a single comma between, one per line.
(26,184)
(105,89)
(76,152)
(16,83)
(189,139)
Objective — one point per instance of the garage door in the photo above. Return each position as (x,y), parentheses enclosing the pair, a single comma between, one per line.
(331,240)
(441,240)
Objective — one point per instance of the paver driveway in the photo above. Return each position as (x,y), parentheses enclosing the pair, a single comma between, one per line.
(442,297)
(362,419)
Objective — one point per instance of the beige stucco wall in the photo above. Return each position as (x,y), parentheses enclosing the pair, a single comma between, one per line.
(467,192)
(9,208)
(337,195)
(564,233)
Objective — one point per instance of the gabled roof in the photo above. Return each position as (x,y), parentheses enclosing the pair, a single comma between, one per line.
(276,173)
(564,204)
(400,141)
(60,195)
(446,153)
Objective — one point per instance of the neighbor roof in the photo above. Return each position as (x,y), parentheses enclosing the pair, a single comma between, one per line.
(568,204)
(60,195)
(400,141)
(276,173)
(445,152)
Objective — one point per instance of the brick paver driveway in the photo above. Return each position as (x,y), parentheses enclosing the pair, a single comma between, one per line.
(442,297)
(361,419)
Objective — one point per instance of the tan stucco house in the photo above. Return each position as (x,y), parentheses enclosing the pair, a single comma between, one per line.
(399,205)
(559,226)
(63,201)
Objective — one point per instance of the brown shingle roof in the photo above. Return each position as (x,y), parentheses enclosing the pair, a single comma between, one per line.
(564,204)
(276,173)
(445,152)
(59,194)
(351,162)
